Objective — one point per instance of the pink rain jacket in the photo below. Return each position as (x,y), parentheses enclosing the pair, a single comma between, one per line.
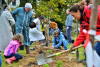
(11,48)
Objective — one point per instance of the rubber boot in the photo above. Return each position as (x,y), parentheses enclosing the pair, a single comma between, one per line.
(27,50)
(10,59)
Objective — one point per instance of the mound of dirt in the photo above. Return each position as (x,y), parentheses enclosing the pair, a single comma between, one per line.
(29,60)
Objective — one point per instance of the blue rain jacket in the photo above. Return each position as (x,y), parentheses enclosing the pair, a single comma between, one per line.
(22,19)
(60,40)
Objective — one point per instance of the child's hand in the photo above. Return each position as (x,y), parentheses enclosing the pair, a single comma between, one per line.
(52,47)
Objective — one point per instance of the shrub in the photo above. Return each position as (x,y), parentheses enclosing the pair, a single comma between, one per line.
(22,4)
(59,63)
(49,51)
(45,65)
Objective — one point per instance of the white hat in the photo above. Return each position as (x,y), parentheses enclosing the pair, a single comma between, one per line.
(28,5)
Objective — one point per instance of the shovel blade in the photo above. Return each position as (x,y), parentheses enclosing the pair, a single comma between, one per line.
(42,60)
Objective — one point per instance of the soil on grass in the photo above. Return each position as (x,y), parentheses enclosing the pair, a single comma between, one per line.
(29,60)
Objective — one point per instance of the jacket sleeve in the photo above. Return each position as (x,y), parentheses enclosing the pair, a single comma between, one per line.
(14,13)
(31,20)
(16,48)
(79,39)
(10,18)
(60,41)
(70,20)
(54,43)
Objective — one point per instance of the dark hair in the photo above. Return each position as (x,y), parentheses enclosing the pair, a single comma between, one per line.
(77,6)
(41,17)
(32,25)
(18,37)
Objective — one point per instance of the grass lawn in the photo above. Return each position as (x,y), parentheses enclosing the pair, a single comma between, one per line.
(23,52)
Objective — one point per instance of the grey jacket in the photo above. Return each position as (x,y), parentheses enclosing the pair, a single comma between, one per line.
(69,20)
(6,20)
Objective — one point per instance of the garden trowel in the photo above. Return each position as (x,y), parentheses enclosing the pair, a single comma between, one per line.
(44,58)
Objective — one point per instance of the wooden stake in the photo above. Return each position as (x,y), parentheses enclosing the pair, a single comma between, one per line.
(93,20)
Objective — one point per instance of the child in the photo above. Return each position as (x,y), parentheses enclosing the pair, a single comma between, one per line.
(10,52)
(59,40)
(34,33)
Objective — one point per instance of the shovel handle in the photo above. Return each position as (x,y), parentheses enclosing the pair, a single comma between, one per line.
(59,53)
(76,47)
(72,49)
(56,54)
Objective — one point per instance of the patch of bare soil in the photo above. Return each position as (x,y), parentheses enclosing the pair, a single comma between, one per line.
(29,60)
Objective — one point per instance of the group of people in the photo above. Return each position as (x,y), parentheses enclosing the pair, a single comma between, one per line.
(22,19)
(29,29)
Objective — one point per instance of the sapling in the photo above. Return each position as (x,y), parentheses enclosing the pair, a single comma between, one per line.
(45,65)
(49,51)
(59,63)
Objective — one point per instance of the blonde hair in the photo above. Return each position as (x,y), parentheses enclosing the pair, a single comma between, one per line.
(18,37)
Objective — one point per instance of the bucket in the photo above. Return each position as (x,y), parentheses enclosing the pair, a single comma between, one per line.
(21,47)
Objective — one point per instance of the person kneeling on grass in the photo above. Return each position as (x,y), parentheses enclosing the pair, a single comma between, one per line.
(10,52)
(59,40)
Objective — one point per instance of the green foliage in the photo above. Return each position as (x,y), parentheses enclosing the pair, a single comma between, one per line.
(99,2)
(55,10)
(45,65)
(59,63)
(49,51)
(22,4)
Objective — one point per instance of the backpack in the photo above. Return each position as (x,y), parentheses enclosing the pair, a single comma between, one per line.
(65,36)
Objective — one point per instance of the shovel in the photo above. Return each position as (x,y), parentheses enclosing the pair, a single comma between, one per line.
(43,59)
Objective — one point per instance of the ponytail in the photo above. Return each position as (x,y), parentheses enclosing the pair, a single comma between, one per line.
(77,6)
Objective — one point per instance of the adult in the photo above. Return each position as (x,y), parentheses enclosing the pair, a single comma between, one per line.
(38,22)
(83,13)
(68,23)
(23,16)
(59,40)
(6,31)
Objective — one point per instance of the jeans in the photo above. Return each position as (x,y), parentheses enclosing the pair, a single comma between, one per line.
(0,61)
(17,56)
(68,32)
(97,48)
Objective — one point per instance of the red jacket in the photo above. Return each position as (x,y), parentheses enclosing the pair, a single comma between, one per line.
(84,23)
